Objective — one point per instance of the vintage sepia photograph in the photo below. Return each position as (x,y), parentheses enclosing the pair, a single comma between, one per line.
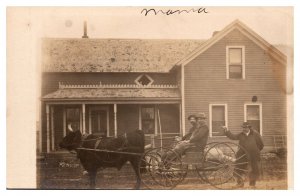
(152,98)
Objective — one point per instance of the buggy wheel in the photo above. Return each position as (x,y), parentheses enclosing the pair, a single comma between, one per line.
(224,165)
(161,168)
(199,167)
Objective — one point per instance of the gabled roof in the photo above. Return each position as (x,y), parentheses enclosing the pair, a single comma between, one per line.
(114,55)
(273,51)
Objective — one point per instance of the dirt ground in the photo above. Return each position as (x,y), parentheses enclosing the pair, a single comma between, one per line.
(71,177)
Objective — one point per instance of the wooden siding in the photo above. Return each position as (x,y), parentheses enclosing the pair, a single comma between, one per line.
(50,80)
(206,83)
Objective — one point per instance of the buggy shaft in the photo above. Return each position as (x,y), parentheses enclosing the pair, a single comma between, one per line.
(111,151)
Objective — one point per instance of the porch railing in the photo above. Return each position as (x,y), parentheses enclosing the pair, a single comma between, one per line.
(63,85)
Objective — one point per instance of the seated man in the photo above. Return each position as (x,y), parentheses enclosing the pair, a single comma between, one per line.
(197,136)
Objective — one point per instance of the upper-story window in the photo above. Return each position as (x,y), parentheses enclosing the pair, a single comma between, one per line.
(235,62)
(144,80)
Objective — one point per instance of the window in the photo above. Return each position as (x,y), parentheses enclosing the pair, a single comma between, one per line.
(253,116)
(148,119)
(144,80)
(235,62)
(73,116)
(217,119)
(98,119)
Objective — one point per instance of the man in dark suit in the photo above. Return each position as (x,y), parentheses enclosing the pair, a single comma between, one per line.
(252,142)
(197,136)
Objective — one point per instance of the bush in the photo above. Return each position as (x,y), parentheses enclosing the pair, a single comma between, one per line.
(274,165)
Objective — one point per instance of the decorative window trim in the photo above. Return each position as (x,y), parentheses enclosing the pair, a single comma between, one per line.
(155,119)
(210,117)
(260,114)
(243,62)
(140,76)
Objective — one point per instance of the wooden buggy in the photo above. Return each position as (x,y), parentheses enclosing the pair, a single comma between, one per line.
(219,165)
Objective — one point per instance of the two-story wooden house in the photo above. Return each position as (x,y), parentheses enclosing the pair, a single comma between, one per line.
(111,86)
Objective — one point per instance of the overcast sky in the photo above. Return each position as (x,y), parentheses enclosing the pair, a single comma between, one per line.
(273,23)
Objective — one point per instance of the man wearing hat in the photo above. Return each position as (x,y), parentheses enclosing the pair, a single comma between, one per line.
(252,142)
(197,136)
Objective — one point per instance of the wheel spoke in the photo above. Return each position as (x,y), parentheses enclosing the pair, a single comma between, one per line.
(240,157)
(240,169)
(238,174)
(164,169)
(221,164)
(242,163)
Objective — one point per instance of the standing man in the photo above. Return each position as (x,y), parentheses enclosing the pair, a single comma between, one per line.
(197,136)
(252,142)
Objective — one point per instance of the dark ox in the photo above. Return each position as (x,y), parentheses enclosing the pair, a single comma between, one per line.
(131,143)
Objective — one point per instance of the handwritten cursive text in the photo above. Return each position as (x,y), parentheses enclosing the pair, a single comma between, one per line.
(170,11)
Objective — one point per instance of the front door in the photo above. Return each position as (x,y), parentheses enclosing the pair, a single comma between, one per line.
(99,122)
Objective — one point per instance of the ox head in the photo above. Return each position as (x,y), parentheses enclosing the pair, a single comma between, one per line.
(71,141)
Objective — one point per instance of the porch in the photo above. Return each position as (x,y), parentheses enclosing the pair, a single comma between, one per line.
(109,111)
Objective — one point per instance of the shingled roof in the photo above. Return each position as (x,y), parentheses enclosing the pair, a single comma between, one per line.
(114,93)
(114,55)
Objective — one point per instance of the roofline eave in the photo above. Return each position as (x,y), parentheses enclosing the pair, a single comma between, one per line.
(274,52)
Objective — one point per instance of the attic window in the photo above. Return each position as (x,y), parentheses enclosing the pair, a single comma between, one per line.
(144,80)
(235,62)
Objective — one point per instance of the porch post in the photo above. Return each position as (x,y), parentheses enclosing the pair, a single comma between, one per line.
(80,121)
(140,118)
(40,129)
(64,121)
(156,119)
(115,119)
(83,119)
(52,129)
(48,128)
(180,122)
(182,101)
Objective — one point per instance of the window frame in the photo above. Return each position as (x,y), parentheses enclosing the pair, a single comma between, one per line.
(155,117)
(210,117)
(260,115)
(228,64)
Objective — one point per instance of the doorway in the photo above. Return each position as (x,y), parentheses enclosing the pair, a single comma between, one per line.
(99,121)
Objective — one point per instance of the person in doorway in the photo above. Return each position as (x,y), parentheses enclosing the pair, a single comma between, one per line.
(252,142)
(70,128)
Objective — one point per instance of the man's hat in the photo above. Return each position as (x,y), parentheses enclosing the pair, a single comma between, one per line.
(246,125)
(201,115)
(192,116)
